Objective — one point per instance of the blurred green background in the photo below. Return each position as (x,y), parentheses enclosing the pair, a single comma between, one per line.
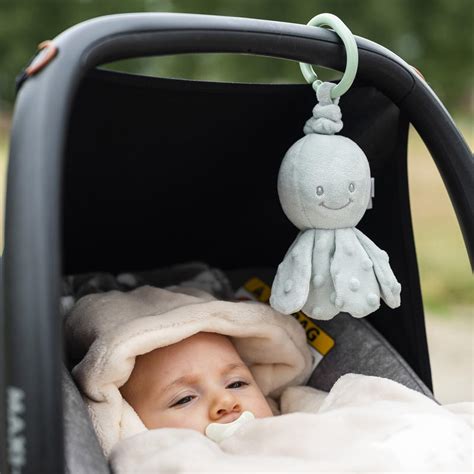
(436,36)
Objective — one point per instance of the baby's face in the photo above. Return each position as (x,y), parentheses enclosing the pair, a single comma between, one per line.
(193,383)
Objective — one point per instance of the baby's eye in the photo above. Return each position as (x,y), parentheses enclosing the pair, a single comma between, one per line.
(352,187)
(319,190)
(183,401)
(237,384)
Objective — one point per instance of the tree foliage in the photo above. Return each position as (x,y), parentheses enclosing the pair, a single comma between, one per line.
(436,36)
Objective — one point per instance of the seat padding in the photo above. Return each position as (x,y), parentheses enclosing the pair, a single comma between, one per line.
(361,349)
(82,450)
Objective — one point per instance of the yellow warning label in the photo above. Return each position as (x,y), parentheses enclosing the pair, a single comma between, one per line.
(316,337)
(260,290)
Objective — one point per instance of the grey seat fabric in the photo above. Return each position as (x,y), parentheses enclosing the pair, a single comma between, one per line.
(82,450)
(361,349)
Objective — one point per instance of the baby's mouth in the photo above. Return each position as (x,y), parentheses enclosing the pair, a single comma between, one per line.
(220,431)
(228,418)
(336,208)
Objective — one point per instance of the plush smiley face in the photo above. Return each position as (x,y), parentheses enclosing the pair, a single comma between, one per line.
(324,182)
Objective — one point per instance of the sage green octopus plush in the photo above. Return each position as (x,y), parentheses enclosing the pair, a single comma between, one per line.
(325,187)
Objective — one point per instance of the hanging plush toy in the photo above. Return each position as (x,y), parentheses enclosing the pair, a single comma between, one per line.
(325,187)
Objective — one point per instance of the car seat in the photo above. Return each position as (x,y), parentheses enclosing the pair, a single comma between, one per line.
(118,172)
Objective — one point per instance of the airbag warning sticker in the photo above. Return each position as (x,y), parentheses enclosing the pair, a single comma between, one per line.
(257,290)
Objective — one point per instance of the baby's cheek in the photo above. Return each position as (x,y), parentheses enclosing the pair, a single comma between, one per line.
(259,406)
(265,410)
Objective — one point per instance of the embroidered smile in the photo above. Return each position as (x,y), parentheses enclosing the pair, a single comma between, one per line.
(336,208)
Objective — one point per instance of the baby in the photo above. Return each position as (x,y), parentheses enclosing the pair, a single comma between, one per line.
(155,358)
(193,383)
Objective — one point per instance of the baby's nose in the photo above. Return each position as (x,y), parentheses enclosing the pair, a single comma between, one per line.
(225,404)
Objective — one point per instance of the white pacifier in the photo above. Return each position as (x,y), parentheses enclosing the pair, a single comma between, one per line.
(220,431)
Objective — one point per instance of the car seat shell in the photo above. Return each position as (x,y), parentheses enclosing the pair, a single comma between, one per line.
(33,234)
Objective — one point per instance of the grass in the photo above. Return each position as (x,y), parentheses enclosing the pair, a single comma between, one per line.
(446,278)
(445,273)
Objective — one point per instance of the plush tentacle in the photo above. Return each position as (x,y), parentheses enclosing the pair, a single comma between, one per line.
(357,290)
(291,284)
(389,286)
(319,304)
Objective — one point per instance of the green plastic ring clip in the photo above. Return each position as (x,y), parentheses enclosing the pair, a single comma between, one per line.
(352,54)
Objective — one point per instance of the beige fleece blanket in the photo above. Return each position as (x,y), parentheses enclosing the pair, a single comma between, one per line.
(105,332)
(365,424)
